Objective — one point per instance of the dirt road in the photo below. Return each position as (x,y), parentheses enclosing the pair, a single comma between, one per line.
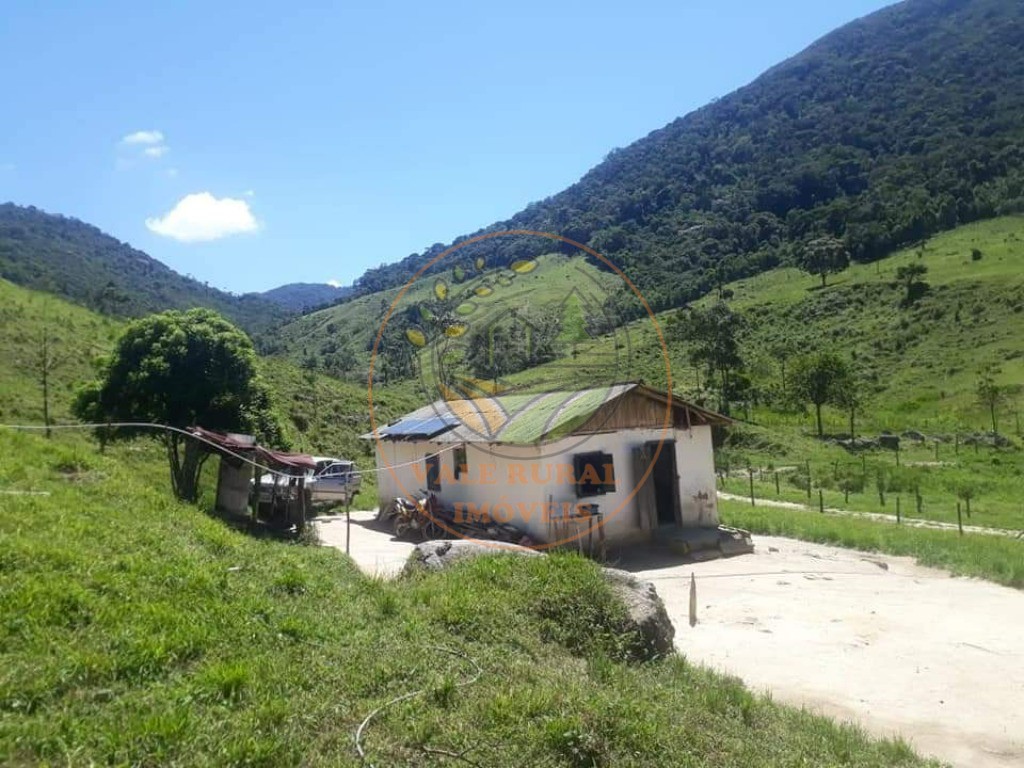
(878,640)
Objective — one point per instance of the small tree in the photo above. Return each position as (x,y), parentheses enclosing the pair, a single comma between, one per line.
(824,256)
(44,360)
(911,276)
(713,333)
(820,379)
(182,369)
(991,396)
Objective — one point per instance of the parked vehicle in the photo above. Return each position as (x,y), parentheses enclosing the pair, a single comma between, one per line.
(415,518)
(334,481)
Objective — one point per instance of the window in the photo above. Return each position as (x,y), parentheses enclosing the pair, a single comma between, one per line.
(433,472)
(461,462)
(594,473)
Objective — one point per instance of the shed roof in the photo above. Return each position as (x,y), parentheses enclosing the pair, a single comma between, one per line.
(521,418)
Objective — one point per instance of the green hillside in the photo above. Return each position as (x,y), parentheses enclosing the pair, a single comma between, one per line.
(888,130)
(321,414)
(919,366)
(75,260)
(340,338)
(139,631)
(76,337)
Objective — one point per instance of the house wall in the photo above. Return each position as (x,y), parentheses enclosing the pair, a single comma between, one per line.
(521,483)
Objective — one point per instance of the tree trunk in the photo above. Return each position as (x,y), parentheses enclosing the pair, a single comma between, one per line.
(186,466)
(817,409)
(823,275)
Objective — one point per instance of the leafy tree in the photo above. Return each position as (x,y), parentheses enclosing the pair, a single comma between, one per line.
(526,339)
(824,256)
(910,275)
(713,334)
(820,379)
(991,396)
(182,369)
(852,399)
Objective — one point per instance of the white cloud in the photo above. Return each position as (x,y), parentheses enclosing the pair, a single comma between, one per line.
(334,283)
(157,151)
(201,216)
(144,137)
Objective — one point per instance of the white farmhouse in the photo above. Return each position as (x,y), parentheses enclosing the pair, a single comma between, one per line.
(613,464)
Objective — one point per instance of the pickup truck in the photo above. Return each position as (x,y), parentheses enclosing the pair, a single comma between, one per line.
(334,481)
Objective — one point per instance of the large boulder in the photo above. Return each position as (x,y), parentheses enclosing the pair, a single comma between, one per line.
(646,612)
(439,554)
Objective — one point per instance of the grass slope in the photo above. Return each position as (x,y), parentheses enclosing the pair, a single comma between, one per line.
(78,338)
(134,630)
(488,296)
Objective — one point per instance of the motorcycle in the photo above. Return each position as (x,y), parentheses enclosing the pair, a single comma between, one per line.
(415,518)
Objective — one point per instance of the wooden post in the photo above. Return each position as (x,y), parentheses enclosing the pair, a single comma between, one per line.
(693,599)
(898,519)
(821,501)
(348,522)
(777,492)
(919,500)
(751,473)
(256,492)
(956,443)
(959,519)
(808,479)
(846,494)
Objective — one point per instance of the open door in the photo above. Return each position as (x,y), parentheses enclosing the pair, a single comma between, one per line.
(665,479)
(658,498)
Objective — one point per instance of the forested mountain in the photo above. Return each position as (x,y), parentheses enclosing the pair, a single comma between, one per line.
(896,126)
(300,297)
(69,258)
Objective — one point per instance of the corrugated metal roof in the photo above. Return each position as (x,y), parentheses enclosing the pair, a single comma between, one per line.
(515,418)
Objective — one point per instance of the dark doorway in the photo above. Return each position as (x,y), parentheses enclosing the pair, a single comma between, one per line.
(666,483)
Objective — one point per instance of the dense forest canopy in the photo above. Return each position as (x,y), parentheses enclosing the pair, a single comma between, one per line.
(894,127)
(69,258)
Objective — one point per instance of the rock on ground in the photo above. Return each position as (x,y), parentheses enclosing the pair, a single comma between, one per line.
(439,554)
(644,608)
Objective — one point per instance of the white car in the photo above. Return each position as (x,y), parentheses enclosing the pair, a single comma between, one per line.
(334,481)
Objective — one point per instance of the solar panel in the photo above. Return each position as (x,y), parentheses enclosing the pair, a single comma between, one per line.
(426,426)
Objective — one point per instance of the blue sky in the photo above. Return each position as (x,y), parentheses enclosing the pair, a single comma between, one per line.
(254,144)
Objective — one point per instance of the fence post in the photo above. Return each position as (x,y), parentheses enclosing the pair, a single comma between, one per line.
(821,501)
(959,519)
(808,479)
(693,599)
(956,443)
(898,517)
(777,492)
(751,473)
